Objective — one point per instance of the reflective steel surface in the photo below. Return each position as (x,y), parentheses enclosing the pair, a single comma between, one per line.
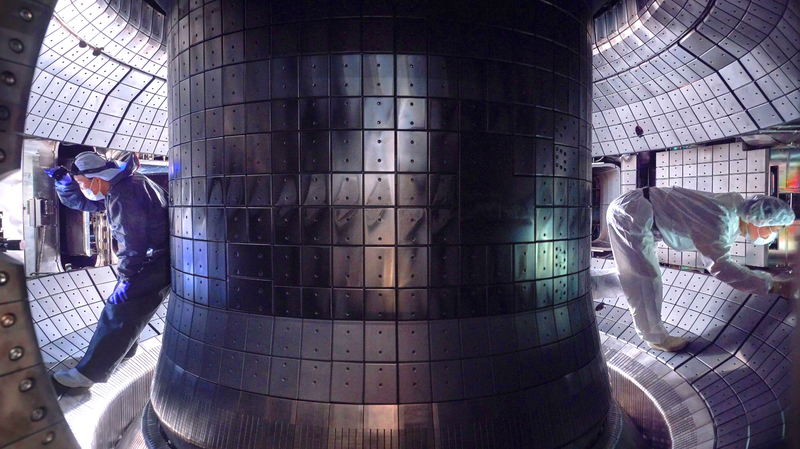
(643,412)
(685,72)
(29,413)
(786,163)
(380,226)
(40,231)
(727,167)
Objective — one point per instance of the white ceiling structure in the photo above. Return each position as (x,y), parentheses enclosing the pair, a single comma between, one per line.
(116,99)
(686,71)
(693,71)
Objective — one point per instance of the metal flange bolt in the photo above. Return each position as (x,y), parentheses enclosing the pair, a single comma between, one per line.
(9,79)
(26,385)
(49,437)
(26,14)
(16,45)
(38,414)
(16,353)
(8,320)
(3,277)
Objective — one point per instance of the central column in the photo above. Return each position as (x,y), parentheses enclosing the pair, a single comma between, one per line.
(380,226)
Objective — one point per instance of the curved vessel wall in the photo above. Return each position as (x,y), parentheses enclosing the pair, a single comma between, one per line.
(100,77)
(380,226)
(735,71)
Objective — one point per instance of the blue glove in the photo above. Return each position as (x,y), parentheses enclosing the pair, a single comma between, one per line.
(120,293)
(60,174)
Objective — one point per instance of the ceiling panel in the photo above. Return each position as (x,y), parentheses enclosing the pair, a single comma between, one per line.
(730,71)
(81,97)
(698,68)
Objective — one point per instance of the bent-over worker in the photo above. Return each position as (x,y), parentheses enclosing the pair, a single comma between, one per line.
(689,220)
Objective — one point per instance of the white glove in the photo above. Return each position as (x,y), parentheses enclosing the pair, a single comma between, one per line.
(787,286)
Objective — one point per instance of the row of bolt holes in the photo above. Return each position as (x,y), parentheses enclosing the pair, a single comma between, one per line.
(380,314)
(9,319)
(15,354)
(317,198)
(444,331)
(9,79)
(413,332)
(314,66)
(348,351)
(347,160)
(380,385)
(444,257)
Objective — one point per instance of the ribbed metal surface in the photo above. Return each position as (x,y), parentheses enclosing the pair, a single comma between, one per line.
(643,412)
(662,405)
(738,360)
(102,418)
(619,433)
(133,437)
(380,226)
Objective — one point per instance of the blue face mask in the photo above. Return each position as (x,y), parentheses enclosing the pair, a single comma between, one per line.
(89,194)
(760,241)
(765,241)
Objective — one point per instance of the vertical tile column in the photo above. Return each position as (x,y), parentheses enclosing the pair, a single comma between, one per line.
(380,226)
(721,168)
(628,172)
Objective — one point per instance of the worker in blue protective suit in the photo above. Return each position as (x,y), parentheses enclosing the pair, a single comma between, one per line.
(138,217)
(687,220)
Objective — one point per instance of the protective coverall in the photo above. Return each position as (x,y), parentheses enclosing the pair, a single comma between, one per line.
(685,220)
(137,211)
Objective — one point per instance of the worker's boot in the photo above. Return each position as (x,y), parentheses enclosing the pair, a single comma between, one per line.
(670,344)
(72,378)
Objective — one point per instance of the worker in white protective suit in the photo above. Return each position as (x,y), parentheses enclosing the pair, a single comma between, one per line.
(688,220)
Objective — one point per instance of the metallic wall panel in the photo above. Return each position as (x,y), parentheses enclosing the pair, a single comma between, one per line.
(362,244)
(115,86)
(711,54)
(31,414)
